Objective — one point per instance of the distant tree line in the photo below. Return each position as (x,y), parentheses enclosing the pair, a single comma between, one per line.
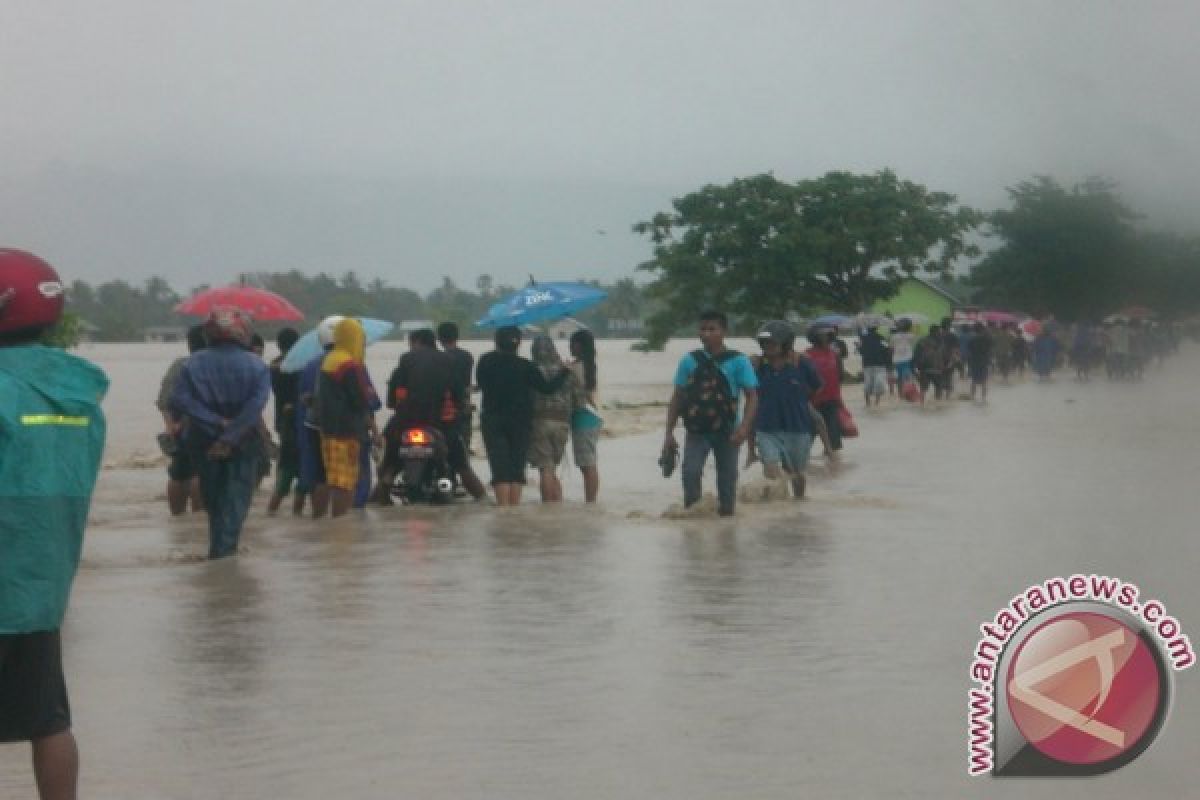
(761,248)
(121,311)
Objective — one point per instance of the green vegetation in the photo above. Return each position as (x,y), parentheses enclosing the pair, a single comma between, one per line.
(763,248)
(1077,254)
(121,312)
(760,247)
(66,333)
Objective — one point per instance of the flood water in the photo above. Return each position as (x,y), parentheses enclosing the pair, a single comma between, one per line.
(813,649)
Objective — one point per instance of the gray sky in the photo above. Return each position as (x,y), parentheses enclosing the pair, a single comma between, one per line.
(413,140)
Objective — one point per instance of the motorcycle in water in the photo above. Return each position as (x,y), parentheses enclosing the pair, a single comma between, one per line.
(423,474)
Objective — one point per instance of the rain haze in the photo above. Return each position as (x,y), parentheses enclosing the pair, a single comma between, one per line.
(413,141)
(807,635)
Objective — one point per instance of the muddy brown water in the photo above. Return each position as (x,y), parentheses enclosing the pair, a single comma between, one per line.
(809,649)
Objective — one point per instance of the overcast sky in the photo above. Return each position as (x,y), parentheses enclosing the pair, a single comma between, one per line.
(413,140)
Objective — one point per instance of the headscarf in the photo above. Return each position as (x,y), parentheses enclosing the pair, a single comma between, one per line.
(349,346)
(227,324)
(545,355)
(556,406)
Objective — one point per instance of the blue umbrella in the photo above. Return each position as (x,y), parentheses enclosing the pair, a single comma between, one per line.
(540,302)
(832,321)
(307,347)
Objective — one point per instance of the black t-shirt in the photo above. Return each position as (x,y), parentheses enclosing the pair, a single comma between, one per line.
(506,380)
(429,376)
(874,350)
(979,349)
(285,387)
(464,364)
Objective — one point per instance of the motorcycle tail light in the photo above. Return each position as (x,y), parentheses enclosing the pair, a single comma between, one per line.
(416,437)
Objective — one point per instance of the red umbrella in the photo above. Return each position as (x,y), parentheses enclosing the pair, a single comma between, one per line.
(1031,327)
(258,303)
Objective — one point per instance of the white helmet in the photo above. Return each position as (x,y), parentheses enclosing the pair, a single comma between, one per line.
(325,329)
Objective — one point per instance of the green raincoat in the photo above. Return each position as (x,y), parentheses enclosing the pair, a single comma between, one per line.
(51,440)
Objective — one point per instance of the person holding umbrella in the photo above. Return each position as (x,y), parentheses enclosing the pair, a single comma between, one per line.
(222,391)
(551,419)
(506,380)
(310,477)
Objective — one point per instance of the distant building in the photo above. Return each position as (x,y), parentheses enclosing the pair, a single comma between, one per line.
(87,331)
(624,327)
(920,296)
(164,333)
(407,326)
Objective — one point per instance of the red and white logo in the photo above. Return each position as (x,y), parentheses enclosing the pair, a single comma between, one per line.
(1084,689)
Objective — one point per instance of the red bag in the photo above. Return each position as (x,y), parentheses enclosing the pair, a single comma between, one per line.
(910,392)
(846,423)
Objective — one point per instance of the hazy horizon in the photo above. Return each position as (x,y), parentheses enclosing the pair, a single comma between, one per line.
(411,142)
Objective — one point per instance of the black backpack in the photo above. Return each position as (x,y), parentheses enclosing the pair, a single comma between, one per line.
(709,405)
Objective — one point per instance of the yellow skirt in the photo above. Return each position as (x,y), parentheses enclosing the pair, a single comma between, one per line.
(340,457)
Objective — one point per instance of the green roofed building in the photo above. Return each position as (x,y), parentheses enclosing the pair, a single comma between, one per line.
(921,296)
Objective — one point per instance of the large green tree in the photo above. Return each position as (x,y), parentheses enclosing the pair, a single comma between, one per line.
(1165,275)
(1065,251)
(759,247)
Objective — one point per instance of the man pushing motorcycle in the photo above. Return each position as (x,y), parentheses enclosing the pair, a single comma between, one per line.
(426,391)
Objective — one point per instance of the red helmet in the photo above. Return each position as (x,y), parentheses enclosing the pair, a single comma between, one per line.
(31,293)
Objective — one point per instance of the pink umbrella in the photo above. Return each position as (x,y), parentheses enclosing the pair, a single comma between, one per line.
(258,303)
(1031,327)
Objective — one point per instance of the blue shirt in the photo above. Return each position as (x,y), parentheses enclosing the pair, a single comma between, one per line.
(738,372)
(223,382)
(783,397)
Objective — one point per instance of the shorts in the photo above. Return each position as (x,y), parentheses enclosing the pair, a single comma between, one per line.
(33,693)
(787,448)
(875,380)
(183,465)
(547,443)
(340,456)
(583,446)
(507,443)
(904,371)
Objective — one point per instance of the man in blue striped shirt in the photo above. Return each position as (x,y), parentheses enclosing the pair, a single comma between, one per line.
(222,391)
